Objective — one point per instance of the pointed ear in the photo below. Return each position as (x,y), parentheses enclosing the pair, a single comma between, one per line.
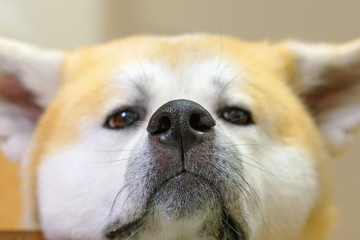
(29,78)
(327,78)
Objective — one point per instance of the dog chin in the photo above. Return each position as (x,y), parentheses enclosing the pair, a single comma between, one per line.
(185,207)
(185,195)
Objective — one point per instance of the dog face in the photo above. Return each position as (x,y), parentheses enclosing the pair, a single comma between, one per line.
(191,137)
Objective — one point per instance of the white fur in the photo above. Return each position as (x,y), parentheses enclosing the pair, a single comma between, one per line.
(339,125)
(276,172)
(15,132)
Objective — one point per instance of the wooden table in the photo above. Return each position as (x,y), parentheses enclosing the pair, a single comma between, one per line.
(21,236)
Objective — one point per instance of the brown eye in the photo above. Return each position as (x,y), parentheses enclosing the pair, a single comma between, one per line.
(121,119)
(236,116)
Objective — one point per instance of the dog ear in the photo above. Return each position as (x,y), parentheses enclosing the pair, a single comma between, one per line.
(29,78)
(327,78)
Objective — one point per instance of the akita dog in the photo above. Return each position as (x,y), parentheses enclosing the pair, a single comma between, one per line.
(186,137)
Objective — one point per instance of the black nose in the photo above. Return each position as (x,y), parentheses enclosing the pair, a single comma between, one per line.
(180,123)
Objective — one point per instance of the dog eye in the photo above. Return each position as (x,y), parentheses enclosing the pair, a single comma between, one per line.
(121,119)
(236,116)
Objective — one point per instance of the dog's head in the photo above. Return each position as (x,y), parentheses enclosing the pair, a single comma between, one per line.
(191,137)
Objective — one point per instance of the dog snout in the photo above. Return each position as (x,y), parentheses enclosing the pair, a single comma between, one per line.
(180,123)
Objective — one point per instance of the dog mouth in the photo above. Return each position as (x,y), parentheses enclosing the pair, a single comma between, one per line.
(180,197)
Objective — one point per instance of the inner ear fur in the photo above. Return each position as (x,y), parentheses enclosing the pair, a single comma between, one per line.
(13,93)
(338,84)
(327,78)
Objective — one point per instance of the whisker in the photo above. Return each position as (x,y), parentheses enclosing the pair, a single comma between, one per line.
(254,145)
(221,54)
(247,193)
(225,86)
(127,198)
(226,219)
(117,150)
(227,223)
(254,196)
(112,161)
(251,193)
(258,203)
(135,232)
(264,170)
(115,200)
(144,74)
(242,189)
(262,167)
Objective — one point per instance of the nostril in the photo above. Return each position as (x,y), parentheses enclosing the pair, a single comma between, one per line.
(182,124)
(199,124)
(164,125)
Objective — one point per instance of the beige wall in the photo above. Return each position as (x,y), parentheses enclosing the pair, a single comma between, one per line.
(55,23)
(68,23)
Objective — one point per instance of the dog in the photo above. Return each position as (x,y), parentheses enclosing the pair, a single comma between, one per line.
(182,137)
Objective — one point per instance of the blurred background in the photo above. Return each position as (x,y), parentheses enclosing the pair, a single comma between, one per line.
(68,23)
